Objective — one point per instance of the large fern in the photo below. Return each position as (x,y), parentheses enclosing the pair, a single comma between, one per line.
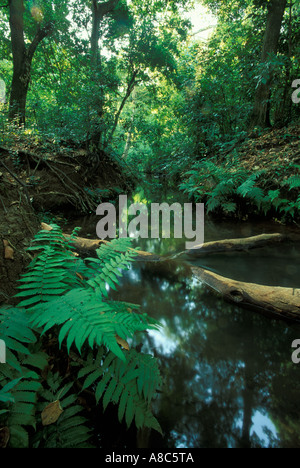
(62,293)
(226,186)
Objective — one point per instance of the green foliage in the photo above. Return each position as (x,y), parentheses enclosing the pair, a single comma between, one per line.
(130,384)
(71,429)
(225,187)
(19,377)
(69,298)
(84,316)
(51,273)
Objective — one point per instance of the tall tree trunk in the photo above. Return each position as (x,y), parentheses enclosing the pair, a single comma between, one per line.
(96,20)
(284,107)
(261,110)
(22,59)
(20,79)
(99,10)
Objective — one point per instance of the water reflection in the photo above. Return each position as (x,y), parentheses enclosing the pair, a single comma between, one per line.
(228,376)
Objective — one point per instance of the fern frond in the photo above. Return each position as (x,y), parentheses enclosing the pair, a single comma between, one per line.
(84,317)
(49,275)
(130,384)
(224,188)
(52,272)
(229,207)
(20,412)
(248,188)
(213,203)
(293,182)
(53,238)
(113,257)
(16,332)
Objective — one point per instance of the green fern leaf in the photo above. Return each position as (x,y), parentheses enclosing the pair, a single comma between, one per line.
(131,384)
(85,317)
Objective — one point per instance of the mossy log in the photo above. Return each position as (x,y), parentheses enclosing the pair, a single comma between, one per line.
(283,302)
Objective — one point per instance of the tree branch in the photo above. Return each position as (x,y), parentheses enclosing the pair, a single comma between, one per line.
(105,8)
(40,35)
(130,88)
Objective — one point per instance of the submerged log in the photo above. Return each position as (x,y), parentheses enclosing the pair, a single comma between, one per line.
(277,300)
(229,245)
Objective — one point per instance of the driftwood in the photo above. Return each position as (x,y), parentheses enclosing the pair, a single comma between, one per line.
(229,245)
(284,302)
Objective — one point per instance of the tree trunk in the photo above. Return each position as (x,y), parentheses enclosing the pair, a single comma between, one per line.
(130,87)
(20,71)
(230,245)
(96,20)
(284,107)
(99,10)
(22,59)
(260,115)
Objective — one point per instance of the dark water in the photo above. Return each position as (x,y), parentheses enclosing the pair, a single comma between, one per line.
(229,380)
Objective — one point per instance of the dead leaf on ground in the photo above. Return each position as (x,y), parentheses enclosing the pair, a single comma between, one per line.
(8,251)
(51,413)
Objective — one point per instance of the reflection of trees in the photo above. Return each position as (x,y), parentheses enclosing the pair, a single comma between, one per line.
(220,364)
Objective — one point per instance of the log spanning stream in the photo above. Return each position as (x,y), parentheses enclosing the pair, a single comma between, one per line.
(229,377)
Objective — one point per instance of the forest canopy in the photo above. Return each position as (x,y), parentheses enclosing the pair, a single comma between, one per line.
(132,75)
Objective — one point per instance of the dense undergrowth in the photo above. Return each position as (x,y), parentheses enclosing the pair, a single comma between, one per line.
(260,176)
(67,339)
(229,188)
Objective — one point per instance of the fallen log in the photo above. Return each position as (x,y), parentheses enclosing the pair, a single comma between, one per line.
(283,302)
(229,245)
(78,242)
(82,245)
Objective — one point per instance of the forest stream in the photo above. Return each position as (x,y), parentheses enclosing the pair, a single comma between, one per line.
(229,379)
(180,345)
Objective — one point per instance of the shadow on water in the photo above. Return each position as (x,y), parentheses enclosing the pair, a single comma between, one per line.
(229,380)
